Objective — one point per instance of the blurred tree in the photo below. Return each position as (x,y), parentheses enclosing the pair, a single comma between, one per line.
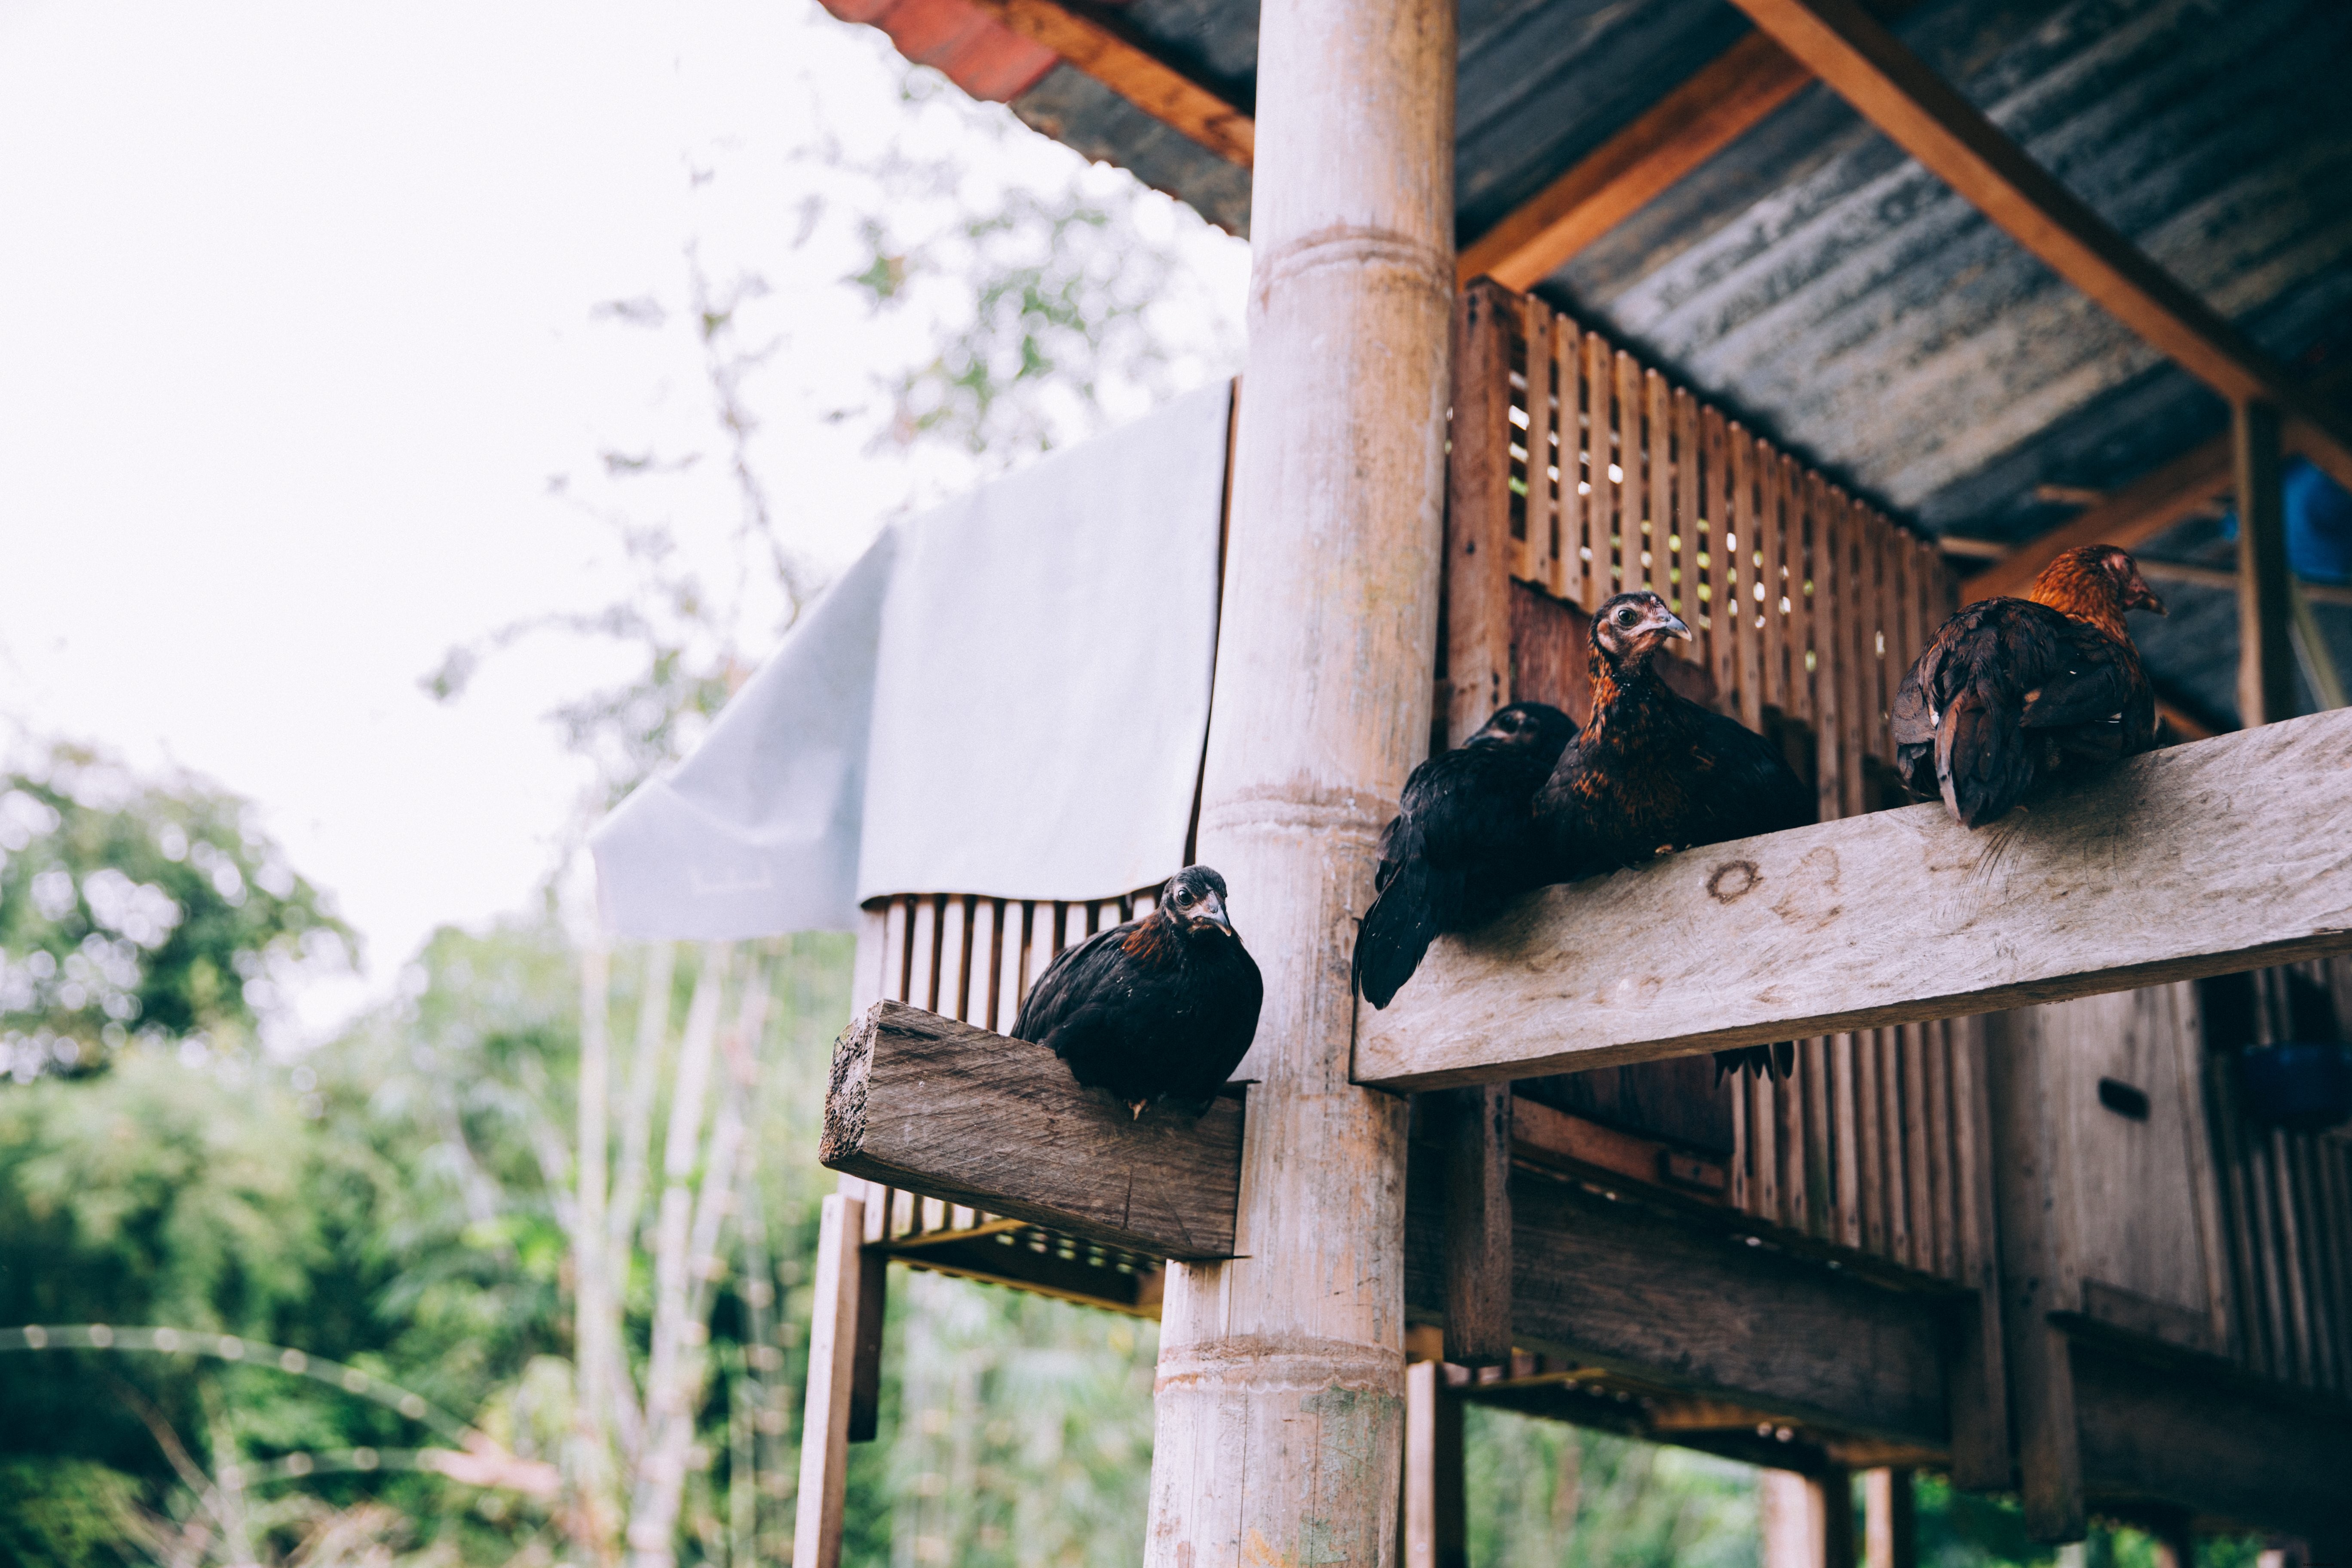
(155,908)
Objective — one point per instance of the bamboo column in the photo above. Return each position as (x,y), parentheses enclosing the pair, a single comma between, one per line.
(1280,1412)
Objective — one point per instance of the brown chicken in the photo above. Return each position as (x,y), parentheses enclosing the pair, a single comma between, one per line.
(2012,689)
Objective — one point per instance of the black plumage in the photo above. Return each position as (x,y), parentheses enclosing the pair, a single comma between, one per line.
(1462,843)
(1653,772)
(1159,1009)
(2010,689)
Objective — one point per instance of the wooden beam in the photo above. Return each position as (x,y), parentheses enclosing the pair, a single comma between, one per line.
(1477,1136)
(825,1424)
(1435,1518)
(1617,179)
(954,1112)
(1478,514)
(1108,50)
(2199,859)
(2266,686)
(1847,47)
(1686,1308)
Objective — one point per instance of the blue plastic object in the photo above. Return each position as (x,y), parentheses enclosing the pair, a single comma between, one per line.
(2318,523)
(2299,1087)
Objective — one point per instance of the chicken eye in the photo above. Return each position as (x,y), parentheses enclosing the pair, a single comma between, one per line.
(1626,617)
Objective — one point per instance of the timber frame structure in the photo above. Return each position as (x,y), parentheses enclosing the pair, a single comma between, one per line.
(2009,1220)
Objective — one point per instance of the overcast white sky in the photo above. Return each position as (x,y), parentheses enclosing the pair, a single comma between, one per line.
(295,327)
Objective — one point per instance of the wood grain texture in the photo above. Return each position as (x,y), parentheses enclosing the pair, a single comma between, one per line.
(951,1111)
(1477,1136)
(1606,1285)
(824,1430)
(1478,544)
(1097,43)
(2196,860)
(1846,46)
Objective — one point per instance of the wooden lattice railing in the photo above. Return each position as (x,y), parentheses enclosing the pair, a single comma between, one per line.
(972,959)
(1807,606)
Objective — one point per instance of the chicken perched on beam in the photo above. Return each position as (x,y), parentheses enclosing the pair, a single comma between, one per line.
(1653,772)
(2011,690)
(1462,843)
(1159,1009)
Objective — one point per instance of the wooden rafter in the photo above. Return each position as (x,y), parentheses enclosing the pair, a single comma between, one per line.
(1899,917)
(1108,52)
(1681,131)
(1847,47)
(2139,512)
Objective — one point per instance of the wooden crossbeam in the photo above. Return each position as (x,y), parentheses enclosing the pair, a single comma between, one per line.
(2223,855)
(1105,50)
(1847,47)
(1625,173)
(2132,516)
(955,1112)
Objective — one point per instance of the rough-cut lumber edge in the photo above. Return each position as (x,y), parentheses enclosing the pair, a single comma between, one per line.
(825,1427)
(947,1110)
(1105,50)
(2201,859)
(1477,1223)
(1683,130)
(1892,87)
(1478,514)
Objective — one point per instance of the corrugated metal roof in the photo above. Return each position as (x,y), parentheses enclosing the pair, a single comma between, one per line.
(1815,278)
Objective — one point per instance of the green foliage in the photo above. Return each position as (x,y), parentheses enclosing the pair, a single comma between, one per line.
(64,1514)
(130,908)
(1542,1493)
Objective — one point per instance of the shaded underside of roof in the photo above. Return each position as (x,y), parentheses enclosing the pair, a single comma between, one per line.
(1818,281)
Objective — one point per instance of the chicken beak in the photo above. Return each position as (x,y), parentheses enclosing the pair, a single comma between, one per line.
(2142,597)
(1211,910)
(1672,624)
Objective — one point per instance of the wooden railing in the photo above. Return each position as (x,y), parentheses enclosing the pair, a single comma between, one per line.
(1807,605)
(973,959)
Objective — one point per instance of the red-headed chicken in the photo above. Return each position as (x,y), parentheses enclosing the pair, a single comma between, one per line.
(1653,772)
(2012,689)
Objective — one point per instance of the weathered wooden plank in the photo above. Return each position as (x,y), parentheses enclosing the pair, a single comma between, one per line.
(1096,43)
(1688,507)
(824,1431)
(1477,1134)
(1479,544)
(1574,561)
(2199,859)
(1433,1513)
(1536,330)
(953,1111)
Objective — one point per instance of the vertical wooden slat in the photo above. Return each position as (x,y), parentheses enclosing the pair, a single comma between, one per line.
(1845,1115)
(1796,1206)
(894,948)
(988,965)
(923,954)
(2289,1254)
(1979,1382)
(1535,549)
(1657,464)
(1870,1142)
(1769,544)
(1821,1178)
(1012,960)
(1630,482)
(1891,1128)
(1685,514)
(1743,526)
(1918,1136)
(824,1427)
(1805,505)
(1743,1153)
(1891,551)
(1600,504)
(954,933)
(1722,618)
(1829,731)
(2310,1217)
(1854,700)
(1573,564)
(1479,550)
(1937,1051)
(1764,1137)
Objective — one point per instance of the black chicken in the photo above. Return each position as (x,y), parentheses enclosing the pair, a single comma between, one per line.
(1653,772)
(1160,1008)
(1463,841)
(2012,688)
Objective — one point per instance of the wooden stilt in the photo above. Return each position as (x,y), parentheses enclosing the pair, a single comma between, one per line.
(1279,1417)
(1787,1510)
(1478,1225)
(2037,1275)
(833,1343)
(2266,685)
(1833,1500)
(1433,1517)
(1890,1521)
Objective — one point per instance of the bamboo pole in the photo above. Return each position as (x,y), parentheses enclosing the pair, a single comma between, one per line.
(1279,1411)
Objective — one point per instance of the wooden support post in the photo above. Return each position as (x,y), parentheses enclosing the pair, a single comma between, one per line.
(1479,513)
(824,1429)
(866,1354)
(2266,692)
(1280,1414)
(1833,1494)
(2039,1274)
(1477,1224)
(1434,1536)
(1891,1520)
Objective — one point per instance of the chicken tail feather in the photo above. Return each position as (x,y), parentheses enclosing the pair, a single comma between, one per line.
(1397,930)
(1983,762)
